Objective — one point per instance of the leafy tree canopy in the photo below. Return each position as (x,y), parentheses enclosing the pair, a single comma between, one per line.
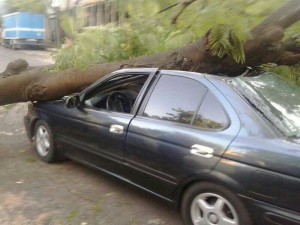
(37,6)
(156,26)
(228,37)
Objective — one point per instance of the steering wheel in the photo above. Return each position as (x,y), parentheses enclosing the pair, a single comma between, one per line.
(118,102)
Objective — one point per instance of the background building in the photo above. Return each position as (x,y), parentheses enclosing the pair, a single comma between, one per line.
(87,13)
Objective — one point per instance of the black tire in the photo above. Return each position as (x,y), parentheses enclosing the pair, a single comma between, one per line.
(48,154)
(232,208)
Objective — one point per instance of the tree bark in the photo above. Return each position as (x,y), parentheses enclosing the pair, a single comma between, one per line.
(264,46)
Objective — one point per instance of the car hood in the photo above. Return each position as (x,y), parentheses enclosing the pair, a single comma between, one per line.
(277,155)
(57,106)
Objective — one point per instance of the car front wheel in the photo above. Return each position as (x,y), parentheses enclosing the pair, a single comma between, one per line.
(44,143)
(208,204)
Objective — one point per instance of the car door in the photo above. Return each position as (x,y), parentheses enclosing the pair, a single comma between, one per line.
(94,134)
(181,130)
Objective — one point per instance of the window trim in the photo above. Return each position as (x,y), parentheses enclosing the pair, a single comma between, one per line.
(151,89)
(150,92)
(224,110)
(147,96)
(107,78)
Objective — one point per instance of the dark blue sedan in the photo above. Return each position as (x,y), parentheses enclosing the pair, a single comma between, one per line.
(226,151)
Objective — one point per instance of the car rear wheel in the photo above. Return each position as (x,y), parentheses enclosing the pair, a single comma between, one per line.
(44,143)
(210,204)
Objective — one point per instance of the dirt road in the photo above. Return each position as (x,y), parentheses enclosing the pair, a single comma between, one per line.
(32,192)
(33,57)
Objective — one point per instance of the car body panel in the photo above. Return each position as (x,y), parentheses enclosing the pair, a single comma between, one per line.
(162,149)
(251,123)
(267,154)
(251,157)
(88,136)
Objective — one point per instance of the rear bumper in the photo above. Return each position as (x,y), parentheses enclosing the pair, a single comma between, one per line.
(30,43)
(26,42)
(266,214)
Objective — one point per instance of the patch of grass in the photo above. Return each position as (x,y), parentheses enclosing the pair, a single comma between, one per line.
(22,150)
(31,160)
(97,207)
(72,215)
(132,221)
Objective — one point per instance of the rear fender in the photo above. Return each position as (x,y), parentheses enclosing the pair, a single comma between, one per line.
(215,177)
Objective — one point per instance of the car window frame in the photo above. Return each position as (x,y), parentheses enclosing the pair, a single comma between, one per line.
(223,108)
(149,93)
(83,95)
(148,96)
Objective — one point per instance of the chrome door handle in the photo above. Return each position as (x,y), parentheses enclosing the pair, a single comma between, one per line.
(117,129)
(203,151)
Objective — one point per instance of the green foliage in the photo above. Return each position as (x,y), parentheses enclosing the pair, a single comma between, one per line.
(67,23)
(145,31)
(293,31)
(36,6)
(100,45)
(291,73)
(223,41)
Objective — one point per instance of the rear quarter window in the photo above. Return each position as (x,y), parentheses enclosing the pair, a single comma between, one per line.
(211,114)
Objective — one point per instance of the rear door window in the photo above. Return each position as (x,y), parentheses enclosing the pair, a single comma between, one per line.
(175,99)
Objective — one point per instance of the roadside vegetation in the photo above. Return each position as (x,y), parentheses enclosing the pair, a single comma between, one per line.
(151,27)
(226,38)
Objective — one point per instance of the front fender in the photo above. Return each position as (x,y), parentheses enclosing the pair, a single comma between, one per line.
(29,121)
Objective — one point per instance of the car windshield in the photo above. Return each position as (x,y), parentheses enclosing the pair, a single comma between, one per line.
(277,99)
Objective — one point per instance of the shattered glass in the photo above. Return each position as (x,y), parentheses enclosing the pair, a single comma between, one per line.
(274,97)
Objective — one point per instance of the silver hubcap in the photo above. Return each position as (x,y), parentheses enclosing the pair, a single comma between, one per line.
(211,209)
(42,141)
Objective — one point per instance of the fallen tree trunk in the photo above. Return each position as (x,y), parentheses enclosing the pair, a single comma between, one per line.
(264,46)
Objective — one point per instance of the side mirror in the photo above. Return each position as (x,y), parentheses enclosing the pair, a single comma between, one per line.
(72,101)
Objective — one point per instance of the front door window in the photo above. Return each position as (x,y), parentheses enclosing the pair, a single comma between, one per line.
(117,94)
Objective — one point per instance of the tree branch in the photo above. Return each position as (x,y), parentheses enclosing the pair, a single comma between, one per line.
(184,6)
(283,17)
(292,44)
(169,7)
(265,46)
